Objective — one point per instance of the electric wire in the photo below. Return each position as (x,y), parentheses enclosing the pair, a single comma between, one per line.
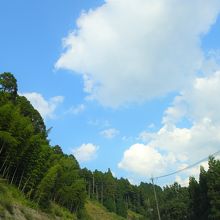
(188,167)
(175,172)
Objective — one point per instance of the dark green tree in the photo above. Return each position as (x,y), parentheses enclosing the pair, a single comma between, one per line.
(204,200)
(194,194)
(45,188)
(175,202)
(110,191)
(8,83)
(213,183)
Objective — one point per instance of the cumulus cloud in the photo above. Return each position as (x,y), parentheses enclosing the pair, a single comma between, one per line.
(143,160)
(132,51)
(85,152)
(185,145)
(45,107)
(198,103)
(109,133)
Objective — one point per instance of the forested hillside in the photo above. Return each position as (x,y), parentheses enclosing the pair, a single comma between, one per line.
(44,174)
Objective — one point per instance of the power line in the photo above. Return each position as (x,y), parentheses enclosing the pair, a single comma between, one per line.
(188,167)
(175,172)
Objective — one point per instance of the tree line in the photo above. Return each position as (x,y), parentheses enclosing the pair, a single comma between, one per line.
(42,172)
(45,174)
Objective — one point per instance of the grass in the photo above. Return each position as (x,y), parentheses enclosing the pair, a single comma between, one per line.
(14,204)
(5,199)
(134,216)
(61,212)
(98,212)
(13,195)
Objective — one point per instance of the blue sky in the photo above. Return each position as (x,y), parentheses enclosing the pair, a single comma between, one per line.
(127,85)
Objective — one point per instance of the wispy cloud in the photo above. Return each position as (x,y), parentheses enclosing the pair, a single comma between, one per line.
(76,109)
(99,123)
(109,133)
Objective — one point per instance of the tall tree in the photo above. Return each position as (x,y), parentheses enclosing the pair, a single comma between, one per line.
(213,184)
(8,83)
(204,200)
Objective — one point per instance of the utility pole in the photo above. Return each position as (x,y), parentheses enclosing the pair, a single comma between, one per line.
(155,195)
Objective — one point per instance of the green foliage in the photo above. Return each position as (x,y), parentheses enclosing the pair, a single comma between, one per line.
(61,212)
(27,160)
(14,203)
(49,177)
(5,201)
(121,207)
(28,110)
(194,192)
(175,202)
(46,186)
(135,216)
(95,211)
(8,83)
(213,184)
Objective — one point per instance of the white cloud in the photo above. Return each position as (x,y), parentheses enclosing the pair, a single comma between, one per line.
(212,62)
(143,160)
(184,182)
(132,51)
(45,107)
(201,139)
(109,133)
(146,136)
(199,103)
(181,145)
(194,171)
(77,109)
(85,152)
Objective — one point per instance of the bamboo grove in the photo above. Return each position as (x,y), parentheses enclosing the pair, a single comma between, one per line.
(45,174)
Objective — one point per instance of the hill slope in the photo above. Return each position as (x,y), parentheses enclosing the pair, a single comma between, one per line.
(96,211)
(13,205)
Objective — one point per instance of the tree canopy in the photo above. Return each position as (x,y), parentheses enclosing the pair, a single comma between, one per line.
(45,174)
(8,83)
